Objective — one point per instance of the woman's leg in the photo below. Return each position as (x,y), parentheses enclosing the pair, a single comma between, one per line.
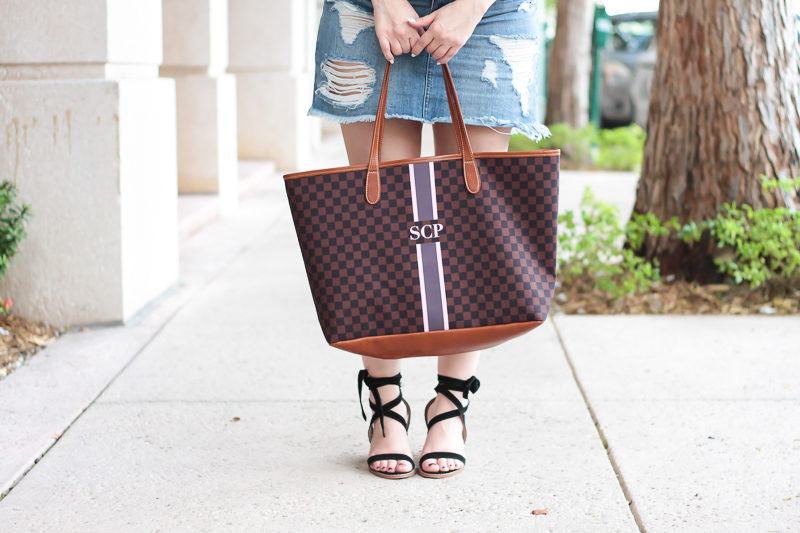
(481,138)
(401,140)
(447,434)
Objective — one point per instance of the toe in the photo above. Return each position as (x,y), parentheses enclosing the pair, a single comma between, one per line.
(451,464)
(380,466)
(431,465)
(391,465)
(443,465)
(403,467)
(458,464)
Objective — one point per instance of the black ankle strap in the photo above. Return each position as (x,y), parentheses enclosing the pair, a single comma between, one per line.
(465,386)
(447,384)
(379,408)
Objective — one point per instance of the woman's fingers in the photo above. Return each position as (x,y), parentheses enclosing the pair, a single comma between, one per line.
(397,48)
(386,49)
(447,29)
(449,55)
(407,44)
(421,22)
(437,52)
(421,44)
(393,46)
(437,40)
(392,28)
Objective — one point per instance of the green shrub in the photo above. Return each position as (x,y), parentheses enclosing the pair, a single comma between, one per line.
(12,224)
(620,148)
(590,148)
(593,250)
(757,245)
(576,145)
(763,245)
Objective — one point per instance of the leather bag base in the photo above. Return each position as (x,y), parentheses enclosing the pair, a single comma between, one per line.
(446,342)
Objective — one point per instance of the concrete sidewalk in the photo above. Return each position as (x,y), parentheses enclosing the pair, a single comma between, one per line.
(220,410)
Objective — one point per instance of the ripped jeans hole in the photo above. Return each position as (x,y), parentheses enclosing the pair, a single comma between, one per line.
(352,20)
(489,73)
(520,54)
(349,83)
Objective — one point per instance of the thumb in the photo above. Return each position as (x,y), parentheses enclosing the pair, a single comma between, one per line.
(427,20)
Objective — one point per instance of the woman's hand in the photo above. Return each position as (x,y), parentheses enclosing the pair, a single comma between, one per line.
(395,34)
(449,27)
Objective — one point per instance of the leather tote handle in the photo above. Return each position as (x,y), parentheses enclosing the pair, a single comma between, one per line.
(472,177)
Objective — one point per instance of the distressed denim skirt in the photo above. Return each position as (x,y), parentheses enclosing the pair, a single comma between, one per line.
(496,72)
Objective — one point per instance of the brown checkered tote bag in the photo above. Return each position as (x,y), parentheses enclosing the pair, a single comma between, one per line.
(429,256)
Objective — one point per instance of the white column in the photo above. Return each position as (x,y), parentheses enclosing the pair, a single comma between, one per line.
(196,55)
(271,54)
(87,133)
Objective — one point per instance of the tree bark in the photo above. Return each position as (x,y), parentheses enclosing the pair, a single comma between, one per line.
(570,64)
(723,110)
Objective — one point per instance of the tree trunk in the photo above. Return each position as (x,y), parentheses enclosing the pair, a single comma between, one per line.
(570,64)
(723,110)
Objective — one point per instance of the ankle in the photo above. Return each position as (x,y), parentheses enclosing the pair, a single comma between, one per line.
(442,403)
(387,394)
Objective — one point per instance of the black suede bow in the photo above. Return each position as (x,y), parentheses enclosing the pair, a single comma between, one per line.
(471,385)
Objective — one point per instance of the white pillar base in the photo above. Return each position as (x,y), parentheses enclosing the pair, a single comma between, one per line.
(207,161)
(272,118)
(96,161)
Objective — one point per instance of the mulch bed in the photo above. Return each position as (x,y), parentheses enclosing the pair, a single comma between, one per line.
(679,297)
(20,339)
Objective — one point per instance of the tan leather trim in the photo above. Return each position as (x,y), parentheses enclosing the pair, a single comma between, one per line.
(435,342)
(398,162)
(472,177)
(372,186)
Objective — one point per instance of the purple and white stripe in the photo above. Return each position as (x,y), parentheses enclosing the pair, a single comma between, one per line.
(429,254)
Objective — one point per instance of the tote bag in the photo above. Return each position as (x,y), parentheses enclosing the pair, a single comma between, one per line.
(429,256)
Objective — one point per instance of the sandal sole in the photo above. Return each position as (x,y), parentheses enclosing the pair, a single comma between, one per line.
(384,475)
(438,475)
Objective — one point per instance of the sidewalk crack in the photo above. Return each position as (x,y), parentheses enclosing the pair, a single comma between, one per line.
(620,479)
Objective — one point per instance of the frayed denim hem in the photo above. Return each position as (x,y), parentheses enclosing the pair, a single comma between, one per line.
(535,132)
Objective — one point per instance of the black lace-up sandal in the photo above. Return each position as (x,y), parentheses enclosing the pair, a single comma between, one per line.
(381,410)
(447,384)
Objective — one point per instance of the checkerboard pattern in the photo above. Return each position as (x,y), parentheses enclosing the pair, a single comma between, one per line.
(361,269)
(498,246)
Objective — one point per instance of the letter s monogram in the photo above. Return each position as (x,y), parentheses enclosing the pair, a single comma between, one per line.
(414,231)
